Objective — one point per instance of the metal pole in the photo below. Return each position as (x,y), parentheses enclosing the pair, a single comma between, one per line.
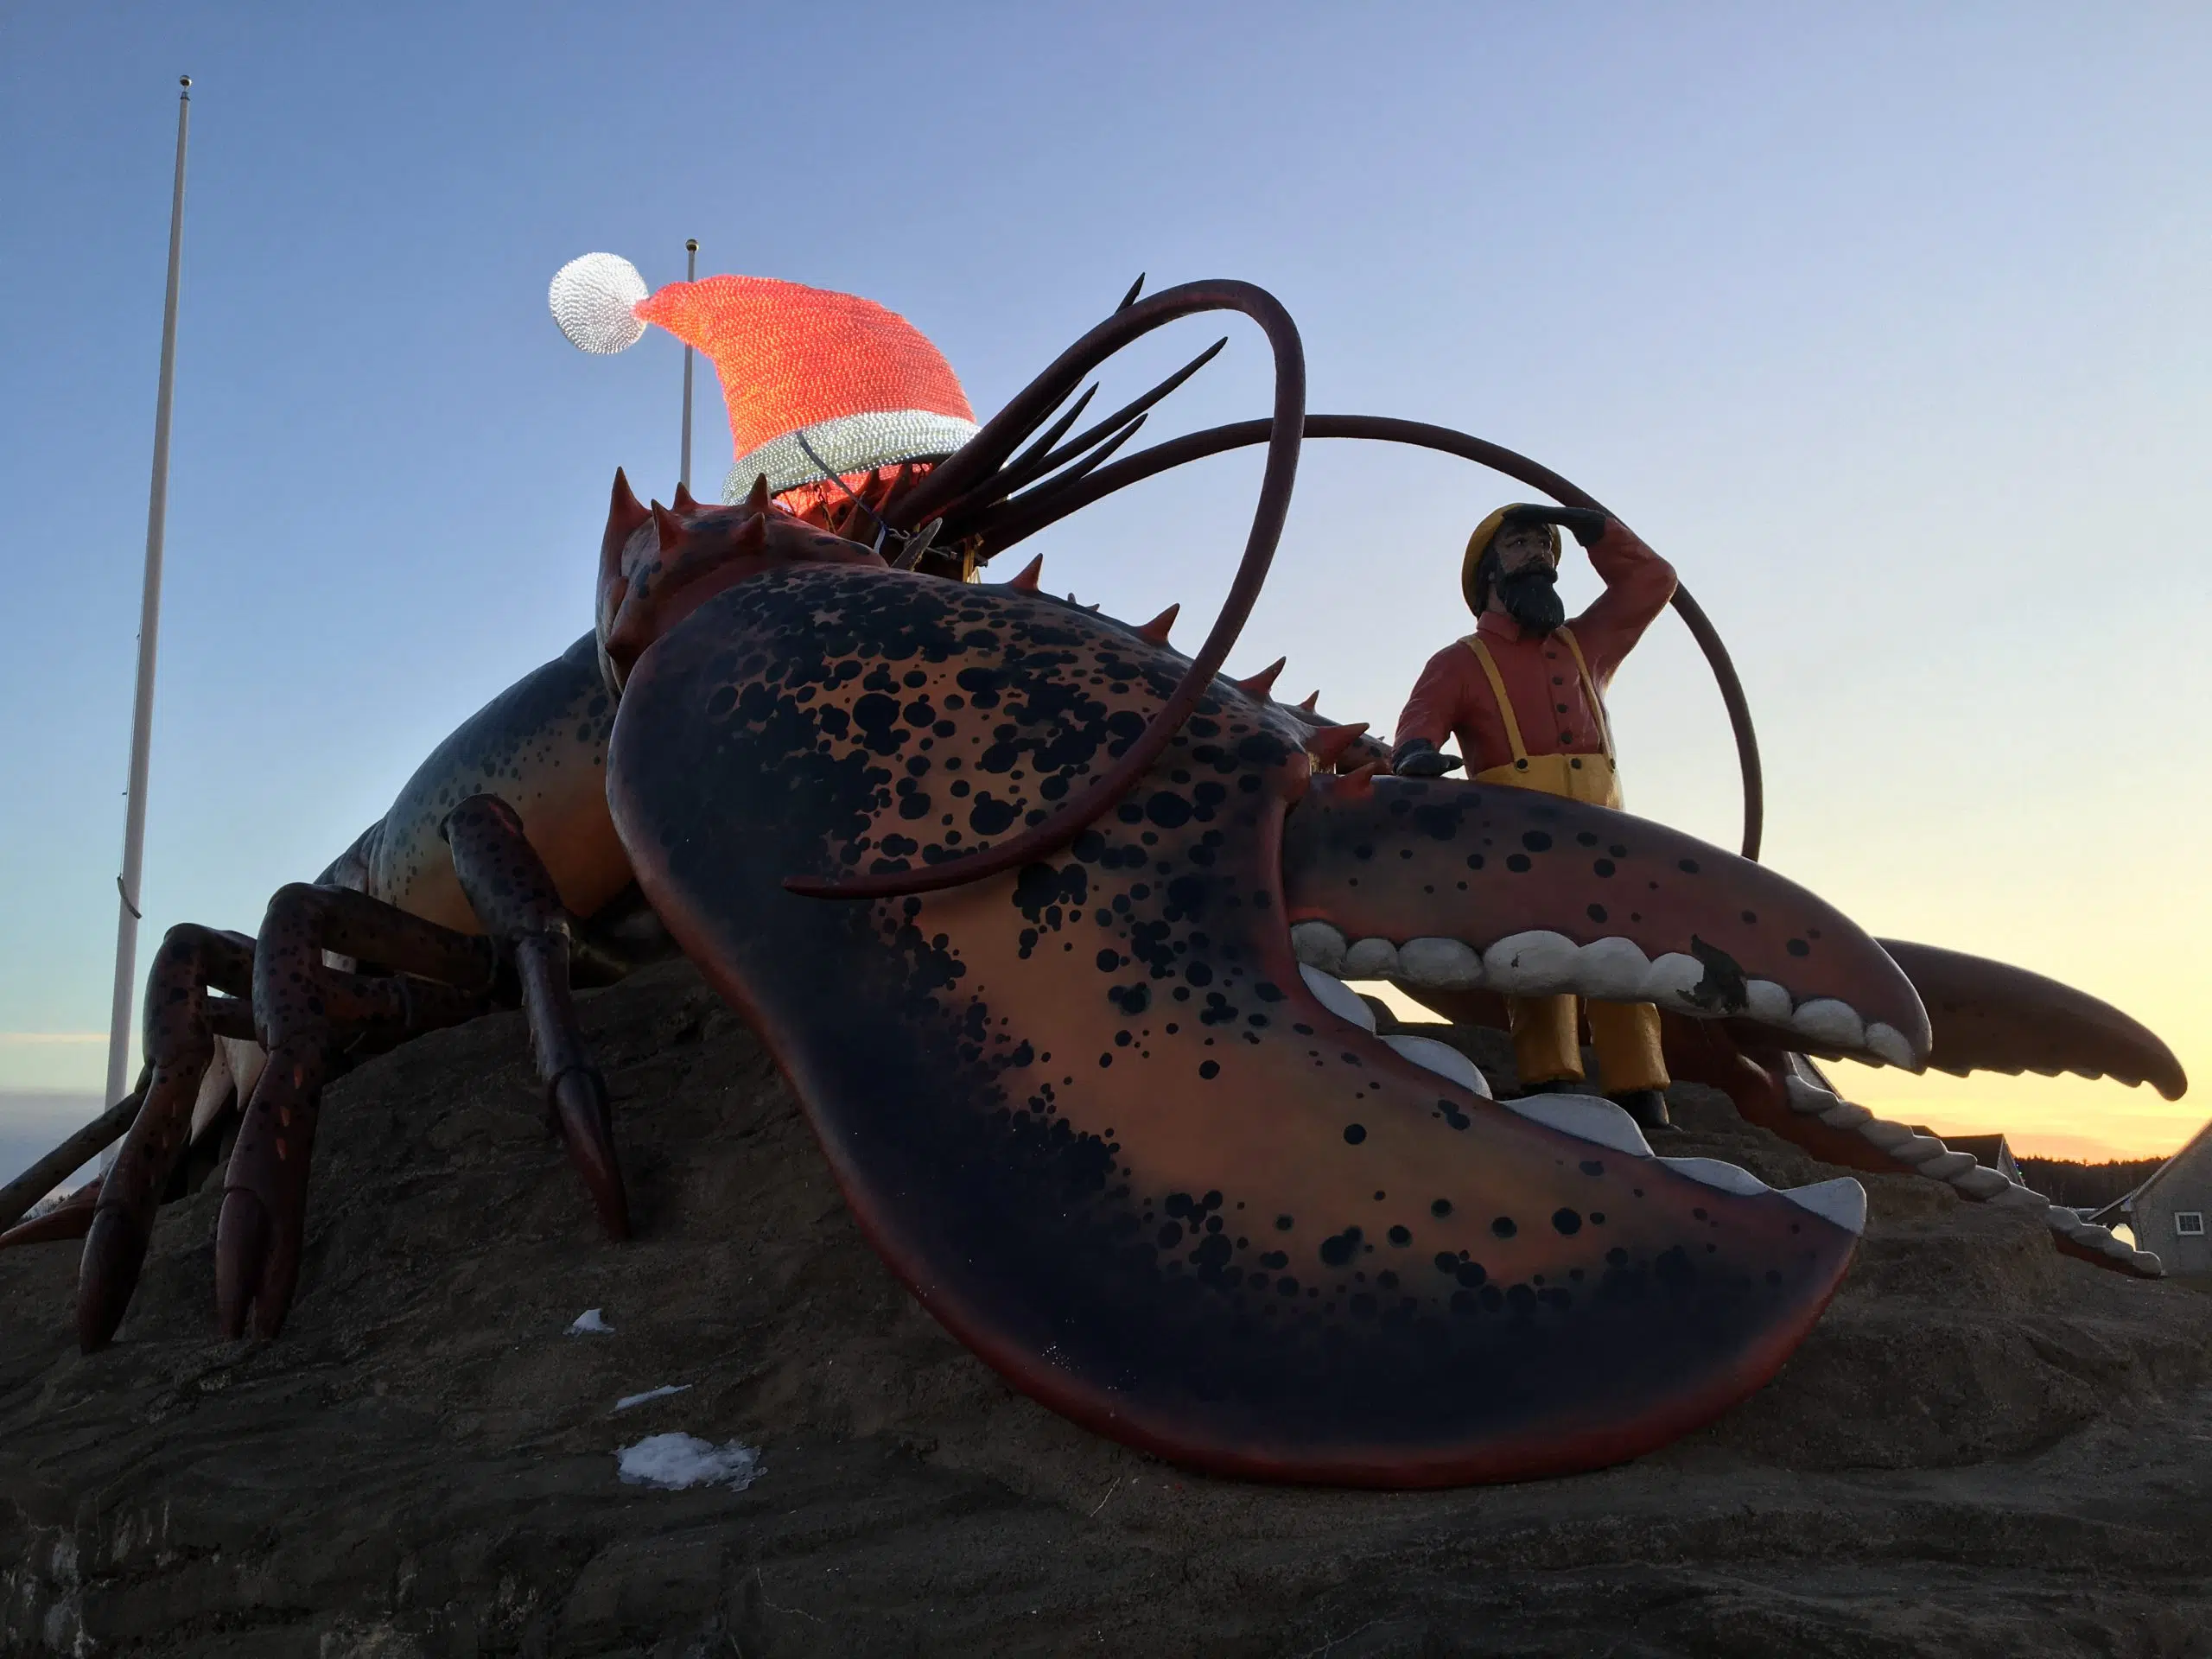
(150,621)
(690,274)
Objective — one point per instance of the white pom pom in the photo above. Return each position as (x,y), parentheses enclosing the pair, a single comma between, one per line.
(591,298)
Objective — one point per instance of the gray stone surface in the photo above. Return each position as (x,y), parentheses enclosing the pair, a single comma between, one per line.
(1984,1449)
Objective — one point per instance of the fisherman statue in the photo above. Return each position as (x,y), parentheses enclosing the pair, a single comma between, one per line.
(1524,696)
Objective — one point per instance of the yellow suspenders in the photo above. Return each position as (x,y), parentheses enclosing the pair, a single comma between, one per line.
(1591,778)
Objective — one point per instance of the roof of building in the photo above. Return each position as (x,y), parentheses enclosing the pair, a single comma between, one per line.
(2124,1205)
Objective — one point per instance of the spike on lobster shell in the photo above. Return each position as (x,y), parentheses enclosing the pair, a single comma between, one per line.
(1357,785)
(751,536)
(668,527)
(684,502)
(624,513)
(757,498)
(1263,681)
(1157,630)
(1313,701)
(1031,574)
(1327,745)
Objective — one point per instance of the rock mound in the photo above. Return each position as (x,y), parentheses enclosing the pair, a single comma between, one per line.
(1984,1449)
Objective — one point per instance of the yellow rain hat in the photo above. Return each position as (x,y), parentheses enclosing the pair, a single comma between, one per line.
(1478,543)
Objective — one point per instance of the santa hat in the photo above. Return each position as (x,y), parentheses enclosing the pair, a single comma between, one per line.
(802,369)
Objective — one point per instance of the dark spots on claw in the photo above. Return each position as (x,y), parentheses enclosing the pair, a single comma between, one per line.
(1284,1223)
(1274,1260)
(1798,948)
(1566,1222)
(1210,1070)
(1167,809)
(1592,1166)
(724,700)
(1338,1250)
(1401,1237)
(1603,867)
(1474,860)
(1686,866)
(1750,916)
(1131,998)
(1504,1227)
(1596,913)
(1354,1134)
(1518,863)
(1440,1209)
(1536,841)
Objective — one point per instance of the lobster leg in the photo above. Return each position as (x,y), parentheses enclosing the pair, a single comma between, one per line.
(308,1014)
(19,1195)
(180,1037)
(513,895)
(71,1219)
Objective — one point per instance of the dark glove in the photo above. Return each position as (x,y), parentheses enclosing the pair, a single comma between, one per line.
(1586,525)
(1419,758)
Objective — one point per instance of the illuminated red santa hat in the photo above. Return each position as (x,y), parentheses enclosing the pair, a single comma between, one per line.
(803,369)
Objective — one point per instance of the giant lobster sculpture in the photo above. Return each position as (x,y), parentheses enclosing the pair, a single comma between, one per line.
(1041,918)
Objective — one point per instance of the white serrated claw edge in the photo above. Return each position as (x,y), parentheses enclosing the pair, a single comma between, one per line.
(1805,1098)
(1443,1059)
(1536,963)
(1586,1118)
(1317,945)
(1841,1201)
(1440,964)
(1767,1002)
(1612,971)
(1835,1024)
(1713,1173)
(1371,959)
(1338,997)
(1888,1042)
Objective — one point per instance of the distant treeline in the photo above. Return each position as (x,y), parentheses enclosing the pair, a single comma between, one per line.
(2080,1187)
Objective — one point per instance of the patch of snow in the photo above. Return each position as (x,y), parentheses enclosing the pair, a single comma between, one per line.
(672,1462)
(589,1323)
(660,1393)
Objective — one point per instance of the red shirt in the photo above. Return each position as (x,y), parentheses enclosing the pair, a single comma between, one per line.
(1452,698)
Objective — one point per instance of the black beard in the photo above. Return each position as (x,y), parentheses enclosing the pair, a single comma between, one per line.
(1531,598)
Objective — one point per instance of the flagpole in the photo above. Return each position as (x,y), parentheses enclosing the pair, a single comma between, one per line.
(690,274)
(150,621)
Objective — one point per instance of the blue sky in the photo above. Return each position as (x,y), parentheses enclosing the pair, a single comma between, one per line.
(1888,327)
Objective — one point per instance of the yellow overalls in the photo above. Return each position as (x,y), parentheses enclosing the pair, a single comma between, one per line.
(1545,1028)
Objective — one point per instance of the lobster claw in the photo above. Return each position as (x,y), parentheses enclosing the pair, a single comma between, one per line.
(1099,1119)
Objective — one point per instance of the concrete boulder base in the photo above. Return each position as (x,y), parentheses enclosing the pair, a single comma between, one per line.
(1985,1448)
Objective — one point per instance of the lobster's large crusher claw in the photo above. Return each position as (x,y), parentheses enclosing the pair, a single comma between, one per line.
(1096,1117)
